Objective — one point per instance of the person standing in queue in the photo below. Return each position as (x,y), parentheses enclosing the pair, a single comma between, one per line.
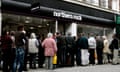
(106,50)
(115,48)
(92,47)
(6,44)
(20,41)
(50,47)
(12,35)
(99,49)
(70,50)
(82,53)
(41,57)
(33,50)
(61,53)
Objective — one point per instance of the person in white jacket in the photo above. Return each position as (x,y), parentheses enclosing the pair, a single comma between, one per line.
(92,47)
(33,49)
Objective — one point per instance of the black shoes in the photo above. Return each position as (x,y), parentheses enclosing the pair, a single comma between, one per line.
(40,66)
(25,69)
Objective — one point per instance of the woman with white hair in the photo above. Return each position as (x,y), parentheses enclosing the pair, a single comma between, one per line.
(50,47)
(33,49)
(106,49)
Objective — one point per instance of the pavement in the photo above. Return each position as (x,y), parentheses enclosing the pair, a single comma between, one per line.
(95,68)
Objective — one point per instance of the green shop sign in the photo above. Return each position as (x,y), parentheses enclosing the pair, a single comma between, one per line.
(117,19)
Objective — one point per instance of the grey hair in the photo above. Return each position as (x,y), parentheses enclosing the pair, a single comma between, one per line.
(32,35)
(49,35)
(104,37)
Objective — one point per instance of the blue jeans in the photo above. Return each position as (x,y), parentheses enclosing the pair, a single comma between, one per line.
(19,59)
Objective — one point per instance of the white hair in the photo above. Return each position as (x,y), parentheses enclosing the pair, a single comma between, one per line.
(24,31)
(49,35)
(32,35)
(104,37)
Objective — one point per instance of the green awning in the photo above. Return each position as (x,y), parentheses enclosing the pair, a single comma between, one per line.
(117,19)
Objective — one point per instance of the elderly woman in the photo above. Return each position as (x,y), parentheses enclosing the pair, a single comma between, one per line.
(33,50)
(50,47)
(106,50)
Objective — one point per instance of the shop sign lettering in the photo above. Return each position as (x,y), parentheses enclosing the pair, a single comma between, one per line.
(67,15)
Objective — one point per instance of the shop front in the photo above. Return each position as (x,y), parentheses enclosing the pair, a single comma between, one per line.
(55,16)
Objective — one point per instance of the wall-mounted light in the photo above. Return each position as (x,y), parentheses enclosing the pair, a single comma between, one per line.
(27,21)
(27,17)
(47,24)
(39,26)
(31,27)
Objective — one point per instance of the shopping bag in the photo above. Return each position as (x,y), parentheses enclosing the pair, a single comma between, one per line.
(84,57)
(54,61)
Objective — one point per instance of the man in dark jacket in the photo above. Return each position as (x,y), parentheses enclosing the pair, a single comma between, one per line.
(70,50)
(61,53)
(82,45)
(99,49)
(115,49)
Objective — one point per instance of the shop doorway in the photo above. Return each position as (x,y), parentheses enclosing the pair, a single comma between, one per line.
(32,24)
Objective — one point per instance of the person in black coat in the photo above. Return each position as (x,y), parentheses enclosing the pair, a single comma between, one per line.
(41,57)
(82,44)
(61,53)
(115,49)
(99,49)
(70,49)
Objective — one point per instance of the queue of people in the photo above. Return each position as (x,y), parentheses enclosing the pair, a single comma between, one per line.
(18,49)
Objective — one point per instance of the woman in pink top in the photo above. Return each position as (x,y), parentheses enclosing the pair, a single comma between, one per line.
(50,50)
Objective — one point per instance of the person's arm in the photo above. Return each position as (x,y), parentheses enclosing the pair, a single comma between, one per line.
(116,44)
(43,43)
(55,46)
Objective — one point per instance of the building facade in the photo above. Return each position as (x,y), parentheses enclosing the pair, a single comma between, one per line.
(60,15)
(105,4)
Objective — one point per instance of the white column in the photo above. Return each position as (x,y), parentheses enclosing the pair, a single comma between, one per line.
(95,2)
(56,26)
(104,31)
(106,3)
(73,29)
(115,5)
(114,31)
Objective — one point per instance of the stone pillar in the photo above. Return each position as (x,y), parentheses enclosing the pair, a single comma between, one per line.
(72,28)
(56,26)
(104,31)
(103,3)
(110,4)
(115,5)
